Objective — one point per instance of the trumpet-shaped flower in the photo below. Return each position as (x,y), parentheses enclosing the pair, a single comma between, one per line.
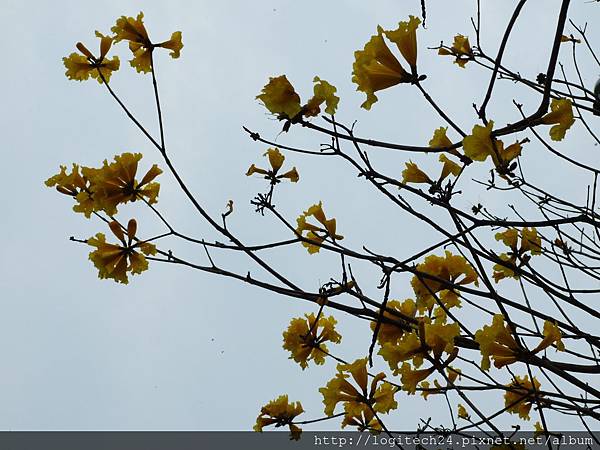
(561,116)
(405,37)
(438,274)
(439,139)
(531,243)
(377,395)
(480,145)
(389,332)
(280,412)
(408,347)
(449,167)
(305,339)
(115,260)
(461,50)
(412,174)
(316,234)
(77,186)
(276,159)
(85,65)
(552,335)
(520,396)
(411,378)
(496,340)
(323,93)
(376,68)
(363,419)
(281,99)
(133,30)
(115,183)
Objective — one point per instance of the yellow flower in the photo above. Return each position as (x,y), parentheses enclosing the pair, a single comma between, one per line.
(81,67)
(530,242)
(439,139)
(407,347)
(461,50)
(389,332)
(134,31)
(451,270)
(412,174)
(305,340)
(378,395)
(480,144)
(376,68)
(276,159)
(77,186)
(364,419)
(315,233)
(561,116)
(280,98)
(405,37)
(323,93)
(496,340)
(462,412)
(410,378)
(552,335)
(519,397)
(115,260)
(440,337)
(280,413)
(449,167)
(115,183)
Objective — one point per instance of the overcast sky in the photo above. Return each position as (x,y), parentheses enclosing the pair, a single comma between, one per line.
(177,349)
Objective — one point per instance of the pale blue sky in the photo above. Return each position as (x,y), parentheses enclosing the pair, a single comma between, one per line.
(176,349)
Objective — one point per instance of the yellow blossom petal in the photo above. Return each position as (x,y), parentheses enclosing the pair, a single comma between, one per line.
(279,97)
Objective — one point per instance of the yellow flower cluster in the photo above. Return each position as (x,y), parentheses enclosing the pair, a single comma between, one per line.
(461,50)
(281,99)
(530,243)
(481,144)
(496,341)
(104,188)
(276,159)
(280,412)
(519,397)
(389,332)
(305,338)
(433,338)
(437,275)
(85,65)
(360,405)
(376,68)
(115,260)
(316,234)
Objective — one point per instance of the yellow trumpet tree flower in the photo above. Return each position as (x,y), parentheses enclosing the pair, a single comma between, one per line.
(378,395)
(281,99)
(305,338)
(375,66)
(115,260)
(85,65)
(520,396)
(276,159)
(560,116)
(280,412)
(315,233)
(461,50)
(133,30)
